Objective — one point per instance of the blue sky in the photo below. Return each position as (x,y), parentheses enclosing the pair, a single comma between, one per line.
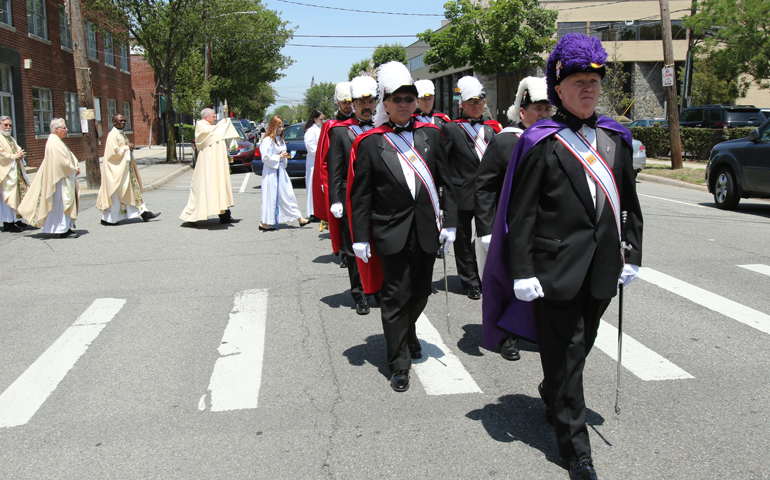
(330,64)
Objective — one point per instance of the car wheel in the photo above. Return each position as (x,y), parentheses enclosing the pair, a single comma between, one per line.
(726,190)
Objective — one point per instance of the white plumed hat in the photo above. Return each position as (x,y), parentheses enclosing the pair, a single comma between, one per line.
(363,86)
(531,90)
(342,92)
(470,87)
(425,88)
(391,77)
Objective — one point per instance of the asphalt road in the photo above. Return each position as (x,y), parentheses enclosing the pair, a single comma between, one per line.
(138,400)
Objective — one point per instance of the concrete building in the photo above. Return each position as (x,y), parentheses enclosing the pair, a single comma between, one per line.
(37,75)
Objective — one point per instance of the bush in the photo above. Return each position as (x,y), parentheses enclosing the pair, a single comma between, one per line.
(741,132)
(698,141)
(189,133)
(655,140)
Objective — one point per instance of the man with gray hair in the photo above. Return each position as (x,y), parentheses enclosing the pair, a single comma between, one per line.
(13,180)
(211,193)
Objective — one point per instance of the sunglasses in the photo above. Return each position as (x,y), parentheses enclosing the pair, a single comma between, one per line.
(475,102)
(400,99)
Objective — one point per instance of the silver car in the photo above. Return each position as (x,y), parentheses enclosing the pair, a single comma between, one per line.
(640,156)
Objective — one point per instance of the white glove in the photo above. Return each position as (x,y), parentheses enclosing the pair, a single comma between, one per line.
(447,237)
(628,275)
(362,250)
(527,289)
(485,240)
(336,210)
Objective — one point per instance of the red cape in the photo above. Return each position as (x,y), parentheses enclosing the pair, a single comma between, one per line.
(371,271)
(496,126)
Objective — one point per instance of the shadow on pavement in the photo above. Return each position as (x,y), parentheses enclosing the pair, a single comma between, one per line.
(372,352)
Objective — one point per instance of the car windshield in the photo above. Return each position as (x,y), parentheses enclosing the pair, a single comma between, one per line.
(294,133)
(245,125)
(744,115)
(240,132)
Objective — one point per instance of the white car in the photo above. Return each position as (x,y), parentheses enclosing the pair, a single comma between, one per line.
(640,156)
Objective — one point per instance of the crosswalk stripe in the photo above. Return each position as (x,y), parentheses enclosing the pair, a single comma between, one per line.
(237,374)
(439,370)
(28,393)
(759,268)
(638,359)
(245,182)
(712,301)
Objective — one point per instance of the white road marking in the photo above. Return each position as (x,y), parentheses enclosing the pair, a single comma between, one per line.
(245,182)
(670,200)
(712,301)
(237,374)
(28,393)
(759,268)
(440,371)
(638,359)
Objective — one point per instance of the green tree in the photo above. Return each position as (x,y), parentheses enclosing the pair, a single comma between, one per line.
(320,96)
(708,87)
(735,38)
(364,65)
(615,96)
(512,36)
(286,112)
(192,91)
(385,53)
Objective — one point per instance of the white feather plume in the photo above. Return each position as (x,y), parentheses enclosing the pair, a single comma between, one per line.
(363,86)
(342,92)
(425,87)
(538,92)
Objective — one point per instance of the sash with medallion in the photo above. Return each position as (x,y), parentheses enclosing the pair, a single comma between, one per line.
(473,132)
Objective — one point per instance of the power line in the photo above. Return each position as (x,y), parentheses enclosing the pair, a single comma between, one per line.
(363,11)
(325,46)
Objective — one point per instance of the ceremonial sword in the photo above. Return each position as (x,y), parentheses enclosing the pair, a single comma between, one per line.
(623,248)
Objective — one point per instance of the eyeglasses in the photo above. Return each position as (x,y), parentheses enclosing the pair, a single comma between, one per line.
(475,101)
(400,99)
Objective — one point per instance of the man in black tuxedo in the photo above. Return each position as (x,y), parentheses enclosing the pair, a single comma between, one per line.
(465,140)
(396,171)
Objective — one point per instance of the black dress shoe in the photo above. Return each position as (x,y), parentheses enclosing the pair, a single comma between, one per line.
(226,217)
(266,229)
(148,215)
(509,350)
(582,469)
(68,234)
(541,391)
(108,224)
(415,351)
(20,224)
(344,261)
(314,219)
(11,227)
(400,380)
(474,293)
(362,308)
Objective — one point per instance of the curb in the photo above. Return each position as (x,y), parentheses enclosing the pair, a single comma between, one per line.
(668,181)
(91,194)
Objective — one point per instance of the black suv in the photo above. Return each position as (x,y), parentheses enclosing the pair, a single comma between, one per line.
(721,116)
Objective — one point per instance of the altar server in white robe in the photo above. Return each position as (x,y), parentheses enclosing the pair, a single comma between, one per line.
(13,179)
(312,134)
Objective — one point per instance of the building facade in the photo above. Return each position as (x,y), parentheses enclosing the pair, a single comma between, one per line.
(148,128)
(37,76)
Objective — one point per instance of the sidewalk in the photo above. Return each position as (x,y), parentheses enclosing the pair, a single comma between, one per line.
(685,164)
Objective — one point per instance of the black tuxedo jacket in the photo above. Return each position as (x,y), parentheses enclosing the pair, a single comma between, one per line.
(555,232)
(383,209)
(489,179)
(341,138)
(463,161)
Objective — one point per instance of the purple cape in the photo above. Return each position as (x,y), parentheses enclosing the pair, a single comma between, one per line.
(500,307)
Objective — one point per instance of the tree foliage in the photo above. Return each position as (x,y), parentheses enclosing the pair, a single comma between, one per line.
(385,53)
(320,96)
(736,38)
(509,35)
(359,67)
(708,87)
(615,97)
(286,112)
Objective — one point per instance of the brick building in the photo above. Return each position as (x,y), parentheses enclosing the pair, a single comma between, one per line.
(37,76)
(147,94)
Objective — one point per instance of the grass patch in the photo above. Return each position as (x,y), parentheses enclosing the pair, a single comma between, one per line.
(696,176)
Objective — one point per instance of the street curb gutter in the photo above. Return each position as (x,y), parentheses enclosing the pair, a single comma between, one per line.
(91,195)
(646,177)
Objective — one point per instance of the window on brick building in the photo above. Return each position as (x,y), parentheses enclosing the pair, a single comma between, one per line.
(112,110)
(91,40)
(36,21)
(42,110)
(127,114)
(64,28)
(5,12)
(109,52)
(72,112)
(123,57)
(6,93)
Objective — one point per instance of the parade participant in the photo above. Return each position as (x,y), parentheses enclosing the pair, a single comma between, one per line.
(555,258)
(344,101)
(13,179)
(312,132)
(52,201)
(466,139)
(210,192)
(395,172)
(530,106)
(120,195)
(363,90)
(426,97)
(279,205)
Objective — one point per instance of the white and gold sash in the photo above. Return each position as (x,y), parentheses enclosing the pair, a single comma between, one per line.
(358,129)
(473,132)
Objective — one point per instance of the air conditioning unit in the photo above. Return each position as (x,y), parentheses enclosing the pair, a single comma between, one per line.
(629,23)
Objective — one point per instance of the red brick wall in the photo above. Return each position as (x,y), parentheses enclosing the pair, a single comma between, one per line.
(53,68)
(146,102)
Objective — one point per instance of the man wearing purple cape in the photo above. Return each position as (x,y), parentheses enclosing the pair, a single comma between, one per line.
(555,261)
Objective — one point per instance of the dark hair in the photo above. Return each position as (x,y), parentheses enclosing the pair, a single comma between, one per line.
(311,119)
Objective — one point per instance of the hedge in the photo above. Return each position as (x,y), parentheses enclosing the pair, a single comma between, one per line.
(189,133)
(696,142)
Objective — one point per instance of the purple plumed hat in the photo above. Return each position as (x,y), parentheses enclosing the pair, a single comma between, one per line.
(574,53)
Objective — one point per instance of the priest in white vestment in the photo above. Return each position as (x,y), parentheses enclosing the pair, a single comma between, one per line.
(13,179)
(120,195)
(211,193)
(52,200)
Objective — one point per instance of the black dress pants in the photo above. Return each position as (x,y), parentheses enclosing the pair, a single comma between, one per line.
(406,286)
(356,288)
(465,254)
(566,332)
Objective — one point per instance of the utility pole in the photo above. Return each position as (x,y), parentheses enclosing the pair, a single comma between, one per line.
(688,67)
(85,93)
(671,100)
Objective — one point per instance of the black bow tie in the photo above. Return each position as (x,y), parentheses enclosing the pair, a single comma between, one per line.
(408,128)
(574,123)
(364,123)
(423,114)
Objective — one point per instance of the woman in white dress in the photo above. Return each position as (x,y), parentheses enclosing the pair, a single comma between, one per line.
(312,132)
(277,192)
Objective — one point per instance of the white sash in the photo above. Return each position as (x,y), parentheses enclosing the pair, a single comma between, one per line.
(595,166)
(473,132)
(409,155)
(424,119)
(358,129)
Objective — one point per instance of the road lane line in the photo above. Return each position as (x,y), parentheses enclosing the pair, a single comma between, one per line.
(638,359)
(759,268)
(237,374)
(670,200)
(440,371)
(712,301)
(28,393)
(245,182)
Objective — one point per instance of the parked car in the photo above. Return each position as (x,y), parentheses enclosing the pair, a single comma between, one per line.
(646,122)
(241,152)
(721,116)
(294,136)
(640,156)
(740,168)
(246,127)
(765,111)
